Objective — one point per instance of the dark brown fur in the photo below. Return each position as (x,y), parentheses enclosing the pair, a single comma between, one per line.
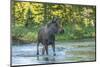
(46,35)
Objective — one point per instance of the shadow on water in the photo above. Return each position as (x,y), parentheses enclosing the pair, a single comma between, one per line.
(65,52)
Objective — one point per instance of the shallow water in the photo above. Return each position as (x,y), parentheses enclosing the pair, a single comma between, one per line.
(65,52)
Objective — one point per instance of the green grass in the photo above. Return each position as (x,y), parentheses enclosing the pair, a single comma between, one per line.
(29,35)
(24,34)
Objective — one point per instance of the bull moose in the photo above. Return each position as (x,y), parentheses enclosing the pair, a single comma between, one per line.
(46,35)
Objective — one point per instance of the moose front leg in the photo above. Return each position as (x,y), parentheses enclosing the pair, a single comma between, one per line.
(43,50)
(46,48)
(53,47)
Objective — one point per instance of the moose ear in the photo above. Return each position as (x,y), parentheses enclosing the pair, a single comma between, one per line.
(48,24)
(54,20)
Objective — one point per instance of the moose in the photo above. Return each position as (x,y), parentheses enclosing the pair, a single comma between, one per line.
(46,35)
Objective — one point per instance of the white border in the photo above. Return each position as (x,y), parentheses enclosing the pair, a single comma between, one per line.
(83,2)
(5,33)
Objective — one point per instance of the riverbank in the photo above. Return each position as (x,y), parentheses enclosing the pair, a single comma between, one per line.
(14,41)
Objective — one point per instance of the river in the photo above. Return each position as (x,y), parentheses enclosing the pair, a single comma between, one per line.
(24,54)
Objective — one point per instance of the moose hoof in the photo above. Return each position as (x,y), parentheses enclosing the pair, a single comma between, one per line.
(54,54)
(37,53)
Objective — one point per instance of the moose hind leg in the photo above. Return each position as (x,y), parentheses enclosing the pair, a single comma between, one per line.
(38,48)
(46,48)
(53,47)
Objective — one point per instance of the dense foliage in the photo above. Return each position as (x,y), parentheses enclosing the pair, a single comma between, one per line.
(27,17)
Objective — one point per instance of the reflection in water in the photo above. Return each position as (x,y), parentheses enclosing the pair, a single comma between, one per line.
(65,52)
(37,57)
(46,58)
